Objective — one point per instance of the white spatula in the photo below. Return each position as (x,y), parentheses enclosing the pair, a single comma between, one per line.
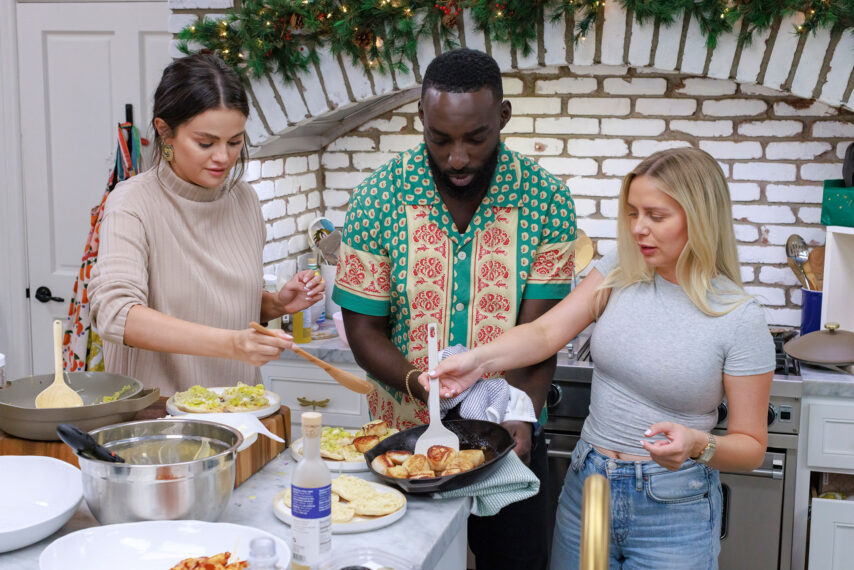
(436,433)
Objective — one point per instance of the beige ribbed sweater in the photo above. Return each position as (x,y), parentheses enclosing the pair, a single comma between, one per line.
(186,251)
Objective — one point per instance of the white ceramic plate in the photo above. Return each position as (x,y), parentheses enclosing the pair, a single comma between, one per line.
(152,544)
(273,407)
(334,466)
(357,524)
(37,496)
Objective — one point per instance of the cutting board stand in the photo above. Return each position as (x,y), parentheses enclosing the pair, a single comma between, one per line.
(250,460)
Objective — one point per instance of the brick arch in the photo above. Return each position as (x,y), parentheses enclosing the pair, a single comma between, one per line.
(338,96)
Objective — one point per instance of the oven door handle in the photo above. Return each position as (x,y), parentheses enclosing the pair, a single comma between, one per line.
(764,473)
(560,454)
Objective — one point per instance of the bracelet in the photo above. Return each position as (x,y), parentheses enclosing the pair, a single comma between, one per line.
(408,390)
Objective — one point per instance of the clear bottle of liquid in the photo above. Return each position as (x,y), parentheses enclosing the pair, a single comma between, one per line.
(311,501)
(318,310)
(302,320)
(262,554)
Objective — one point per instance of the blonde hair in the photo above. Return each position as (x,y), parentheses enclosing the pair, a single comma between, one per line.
(696,182)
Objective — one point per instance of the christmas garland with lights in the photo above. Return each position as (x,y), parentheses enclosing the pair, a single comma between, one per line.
(283,36)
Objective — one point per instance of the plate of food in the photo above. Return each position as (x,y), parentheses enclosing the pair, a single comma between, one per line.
(343,450)
(357,505)
(242,398)
(157,544)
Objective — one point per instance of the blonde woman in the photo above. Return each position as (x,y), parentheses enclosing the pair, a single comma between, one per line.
(675,332)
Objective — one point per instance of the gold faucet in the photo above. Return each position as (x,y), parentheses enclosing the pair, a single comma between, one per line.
(595,523)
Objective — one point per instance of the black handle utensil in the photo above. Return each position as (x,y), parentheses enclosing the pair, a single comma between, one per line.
(84,445)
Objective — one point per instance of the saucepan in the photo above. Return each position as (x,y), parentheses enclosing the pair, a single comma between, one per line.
(832,348)
(19,416)
(492,438)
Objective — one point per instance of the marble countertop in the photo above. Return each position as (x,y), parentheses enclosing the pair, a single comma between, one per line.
(819,381)
(427,529)
(333,350)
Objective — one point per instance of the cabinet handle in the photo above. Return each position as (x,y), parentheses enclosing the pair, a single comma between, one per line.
(305,402)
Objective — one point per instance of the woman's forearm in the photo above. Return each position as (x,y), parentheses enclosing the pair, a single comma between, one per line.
(152,330)
(271,307)
(736,452)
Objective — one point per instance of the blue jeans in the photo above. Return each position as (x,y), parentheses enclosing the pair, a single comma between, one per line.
(660,519)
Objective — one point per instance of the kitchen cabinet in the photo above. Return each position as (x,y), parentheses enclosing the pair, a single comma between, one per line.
(304,387)
(827,446)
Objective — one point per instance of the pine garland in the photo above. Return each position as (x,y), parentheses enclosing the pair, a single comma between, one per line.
(283,36)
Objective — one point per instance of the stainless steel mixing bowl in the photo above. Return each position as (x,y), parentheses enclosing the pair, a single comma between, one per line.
(175,469)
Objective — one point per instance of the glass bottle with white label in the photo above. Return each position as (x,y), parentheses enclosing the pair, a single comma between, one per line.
(311,500)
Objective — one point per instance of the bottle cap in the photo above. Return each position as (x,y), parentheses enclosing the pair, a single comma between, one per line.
(262,551)
(310,419)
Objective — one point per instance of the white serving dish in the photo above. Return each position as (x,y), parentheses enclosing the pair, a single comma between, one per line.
(270,409)
(334,466)
(37,497)
(152,544)
(357,524)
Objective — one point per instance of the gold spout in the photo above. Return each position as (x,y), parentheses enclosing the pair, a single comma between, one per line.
(595,523)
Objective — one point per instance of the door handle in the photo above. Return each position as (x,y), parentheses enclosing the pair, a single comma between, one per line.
(305,402)
(44,295)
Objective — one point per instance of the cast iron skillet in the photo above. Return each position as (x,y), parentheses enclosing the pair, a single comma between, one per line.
(474,434)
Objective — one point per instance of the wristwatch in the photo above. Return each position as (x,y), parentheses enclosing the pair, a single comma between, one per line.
(708,451)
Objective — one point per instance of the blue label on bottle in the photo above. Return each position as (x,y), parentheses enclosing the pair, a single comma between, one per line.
(311,503)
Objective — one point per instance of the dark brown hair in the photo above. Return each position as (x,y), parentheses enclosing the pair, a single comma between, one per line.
(195,84)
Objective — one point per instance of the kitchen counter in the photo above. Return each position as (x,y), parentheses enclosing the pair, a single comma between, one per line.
(432,533)
(332,350)
(825,382)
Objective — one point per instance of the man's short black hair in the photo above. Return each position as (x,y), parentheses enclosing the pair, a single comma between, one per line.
(463,71)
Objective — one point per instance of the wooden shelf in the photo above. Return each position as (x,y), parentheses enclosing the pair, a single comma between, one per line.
(836,305)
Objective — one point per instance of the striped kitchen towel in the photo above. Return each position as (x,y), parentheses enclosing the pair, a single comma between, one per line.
(510,482)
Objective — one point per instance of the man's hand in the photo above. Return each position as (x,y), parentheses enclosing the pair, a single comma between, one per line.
(523,433)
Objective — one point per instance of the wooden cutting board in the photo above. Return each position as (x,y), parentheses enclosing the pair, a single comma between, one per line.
(250,460)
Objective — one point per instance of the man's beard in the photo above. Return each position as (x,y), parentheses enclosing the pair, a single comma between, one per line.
(480,181)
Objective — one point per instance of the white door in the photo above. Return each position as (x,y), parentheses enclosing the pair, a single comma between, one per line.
(79,64)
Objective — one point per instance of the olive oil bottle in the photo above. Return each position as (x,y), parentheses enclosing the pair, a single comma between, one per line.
(311,500)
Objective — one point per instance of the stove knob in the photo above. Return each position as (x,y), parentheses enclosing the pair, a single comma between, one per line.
(772,414)
(554,396)
(722,412)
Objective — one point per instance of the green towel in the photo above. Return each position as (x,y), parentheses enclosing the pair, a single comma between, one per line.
(511,482)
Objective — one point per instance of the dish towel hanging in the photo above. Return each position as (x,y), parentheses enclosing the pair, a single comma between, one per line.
(81,345)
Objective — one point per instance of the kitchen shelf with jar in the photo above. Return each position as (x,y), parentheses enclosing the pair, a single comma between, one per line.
(838,277)
(304,387)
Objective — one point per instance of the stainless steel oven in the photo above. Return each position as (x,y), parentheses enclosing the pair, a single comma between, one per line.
(758,511)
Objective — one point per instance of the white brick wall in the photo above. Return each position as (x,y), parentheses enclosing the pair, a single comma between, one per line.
(590,130)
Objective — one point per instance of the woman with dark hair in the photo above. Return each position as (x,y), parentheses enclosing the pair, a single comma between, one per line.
(179,273)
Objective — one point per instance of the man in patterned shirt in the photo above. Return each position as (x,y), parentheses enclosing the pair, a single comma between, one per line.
(465,233)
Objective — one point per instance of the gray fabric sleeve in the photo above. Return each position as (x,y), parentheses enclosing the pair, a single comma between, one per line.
(607,263)
(752,348)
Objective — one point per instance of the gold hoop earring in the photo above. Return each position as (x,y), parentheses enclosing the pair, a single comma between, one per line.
(168,152)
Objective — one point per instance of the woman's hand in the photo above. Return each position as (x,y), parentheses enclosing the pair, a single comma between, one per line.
(258,349)
(456,374)
(682,442)
(302,291)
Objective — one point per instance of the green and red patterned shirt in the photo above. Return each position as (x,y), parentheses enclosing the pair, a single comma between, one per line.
(401,256)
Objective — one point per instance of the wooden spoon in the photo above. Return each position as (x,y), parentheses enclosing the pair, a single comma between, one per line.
(583,251)
(58,394)
(346,379)
(816,261)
